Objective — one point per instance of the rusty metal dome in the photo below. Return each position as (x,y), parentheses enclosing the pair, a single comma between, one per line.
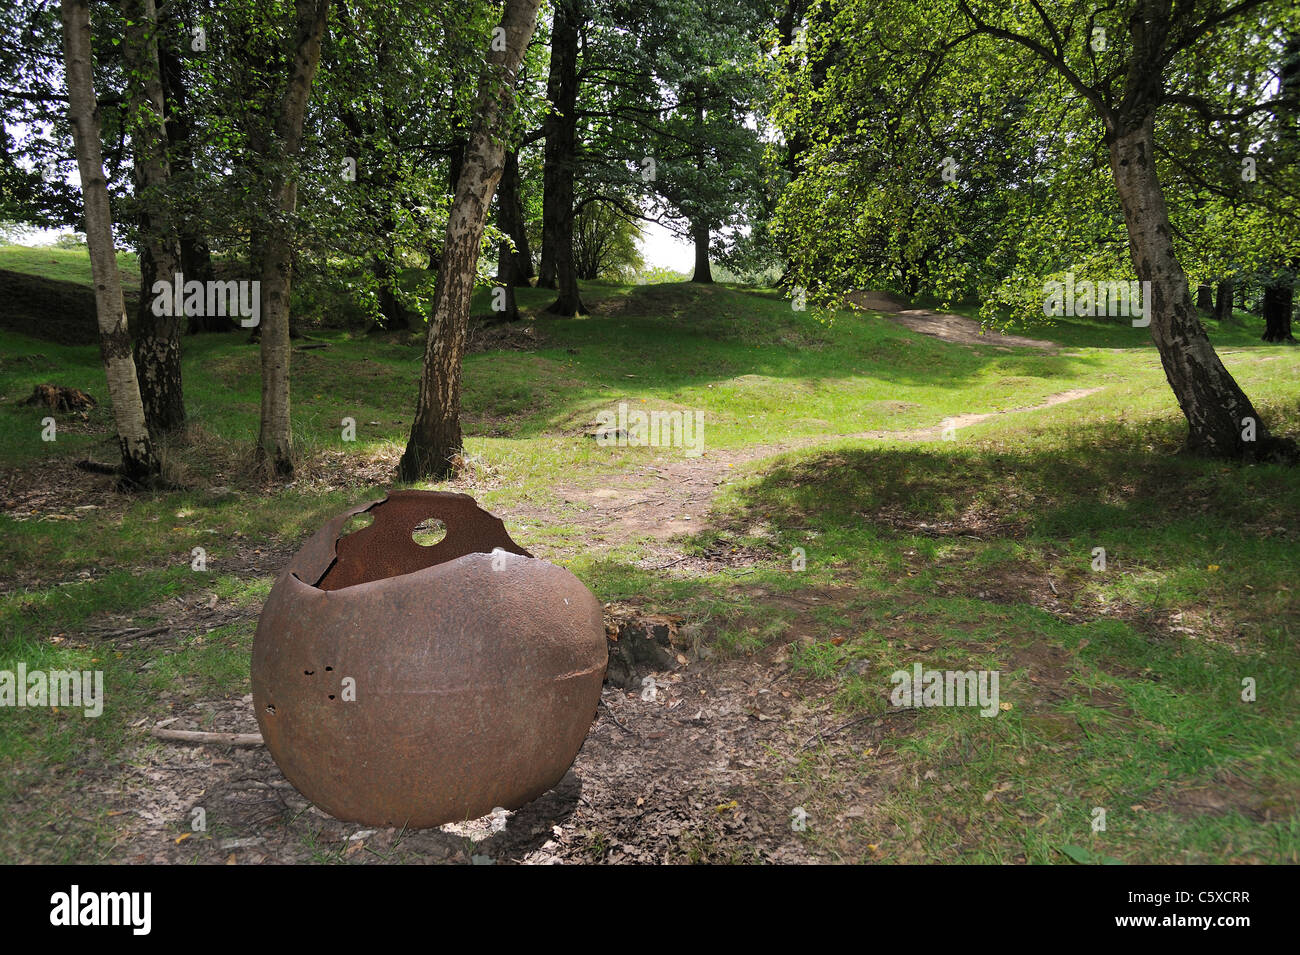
(399,684)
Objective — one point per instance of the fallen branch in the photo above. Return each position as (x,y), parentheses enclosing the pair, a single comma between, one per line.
(131,632)
(670,563)
(614,720)
(822,734)
(195,736)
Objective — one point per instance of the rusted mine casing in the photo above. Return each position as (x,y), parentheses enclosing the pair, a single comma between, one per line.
(404,685)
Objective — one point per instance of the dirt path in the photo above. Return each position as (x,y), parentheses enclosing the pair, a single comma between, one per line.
(672,496)
(951,425)
(945,325)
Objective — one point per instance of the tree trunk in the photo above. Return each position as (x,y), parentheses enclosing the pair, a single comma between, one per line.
(157,337)
(1279,294)
(196,257)
(158,345)
(1217,411)
(504,293)
(510,220)
(392,316)
(703,273)
(275,438)
(700,228)
(546,267)
(140,465)
(455,163)
(788,22)
(435,434)
(1205,298)
(550,185)
(560,155)
(1223,302)
(1279,298)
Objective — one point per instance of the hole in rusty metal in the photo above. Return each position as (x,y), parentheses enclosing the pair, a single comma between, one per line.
(308,672)
(429,531)
(331,696)
(270,708)
(327,669)
(412,530)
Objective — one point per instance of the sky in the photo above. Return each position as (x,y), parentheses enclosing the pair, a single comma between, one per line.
(663,249)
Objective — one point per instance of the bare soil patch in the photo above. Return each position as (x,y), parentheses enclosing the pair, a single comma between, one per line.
(945,325)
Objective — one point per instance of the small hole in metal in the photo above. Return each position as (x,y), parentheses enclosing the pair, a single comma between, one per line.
(270,708)
(429,531)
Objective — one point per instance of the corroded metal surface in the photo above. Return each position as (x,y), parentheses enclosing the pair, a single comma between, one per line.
(397,684)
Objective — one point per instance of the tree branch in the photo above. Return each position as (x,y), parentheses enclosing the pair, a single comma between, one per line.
(1047,56)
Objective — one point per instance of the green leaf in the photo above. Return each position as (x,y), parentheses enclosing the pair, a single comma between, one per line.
(1078,854)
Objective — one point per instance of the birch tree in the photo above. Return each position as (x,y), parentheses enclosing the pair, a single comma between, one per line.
(435,434)
(140,463)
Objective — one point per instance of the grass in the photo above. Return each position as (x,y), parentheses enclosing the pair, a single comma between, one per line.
(64,265)
(1125,684)
(1110,706)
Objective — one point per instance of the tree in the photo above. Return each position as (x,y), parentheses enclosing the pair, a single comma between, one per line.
(605,242)
(1125,97)
(140,464)
(561,156)
(707,142)
(435,434)
(514,260)
(1279,293)
(385,159)
(196,256)
(1086,167)
(157,337)
(183,143)
(37,155)
(275,438)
